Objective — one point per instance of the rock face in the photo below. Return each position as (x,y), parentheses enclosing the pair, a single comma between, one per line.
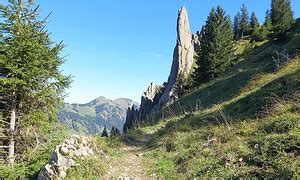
(148,100)
(64,156)
(156,96)
(90,118)
(182,57)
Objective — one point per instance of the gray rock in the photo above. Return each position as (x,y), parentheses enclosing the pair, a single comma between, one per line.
(196,41)
(62,174)
(156,96)
(63,156)
(150,92)
(149,99)
(182,57)
(64,151)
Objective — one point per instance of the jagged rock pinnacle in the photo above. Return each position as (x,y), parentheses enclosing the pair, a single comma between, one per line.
(182,57)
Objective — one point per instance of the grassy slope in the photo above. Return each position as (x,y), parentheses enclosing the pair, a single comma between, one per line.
(245,123)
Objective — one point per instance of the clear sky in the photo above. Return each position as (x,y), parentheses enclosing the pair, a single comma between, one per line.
(116,48)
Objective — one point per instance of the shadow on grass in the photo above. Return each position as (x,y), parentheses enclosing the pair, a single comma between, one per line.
(248,107)
(228,87)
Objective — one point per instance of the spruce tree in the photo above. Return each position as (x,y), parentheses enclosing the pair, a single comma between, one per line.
(31,81)
(182,86)
(104,132)
(244,25)
(254,24)
(264,30)
(237,25)
(282,17)
(114,132)
(217,47)
(268,22)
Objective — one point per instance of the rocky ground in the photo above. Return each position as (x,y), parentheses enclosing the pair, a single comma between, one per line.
(129,165)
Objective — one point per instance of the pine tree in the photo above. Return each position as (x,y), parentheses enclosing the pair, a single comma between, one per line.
(254,24)
(31,81)
(104,132)
(237,25)
(115,132)
(244,25)
(217,47)
(282,17)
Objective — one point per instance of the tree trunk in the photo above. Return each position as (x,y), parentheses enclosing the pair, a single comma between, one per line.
(11,138)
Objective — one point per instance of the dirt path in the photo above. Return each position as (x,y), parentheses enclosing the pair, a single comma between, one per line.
(130,165)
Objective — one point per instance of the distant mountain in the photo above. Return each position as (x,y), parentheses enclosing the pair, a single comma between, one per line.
(90,118)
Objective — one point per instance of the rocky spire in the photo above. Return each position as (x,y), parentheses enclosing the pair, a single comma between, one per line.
(182,57)
(155,96)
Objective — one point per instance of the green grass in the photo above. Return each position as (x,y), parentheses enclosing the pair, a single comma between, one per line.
(95,166)
(34,158)
(243,124)
(91,168)
(263,148)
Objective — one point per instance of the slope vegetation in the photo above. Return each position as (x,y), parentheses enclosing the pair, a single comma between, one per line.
(246,123)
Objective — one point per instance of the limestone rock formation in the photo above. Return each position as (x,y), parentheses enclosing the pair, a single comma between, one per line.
(156,96)
(132,117)
(64,156)
(149,99)
(182,57)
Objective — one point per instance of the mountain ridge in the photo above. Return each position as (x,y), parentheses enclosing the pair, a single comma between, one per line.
(93,116)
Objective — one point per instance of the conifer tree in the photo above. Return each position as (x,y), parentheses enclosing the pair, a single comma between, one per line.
(217,47)
(31,82)
(264,30)
(104,132)
(182,86)
(237,25)
(114,132)
(268,20)
(244,25)
(254,24)
(282,17)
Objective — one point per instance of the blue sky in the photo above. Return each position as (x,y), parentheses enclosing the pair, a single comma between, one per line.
(116,48)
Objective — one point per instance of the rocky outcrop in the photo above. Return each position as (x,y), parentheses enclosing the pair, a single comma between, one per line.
(156,96)
(148,100)
(182,57)
(64,156)
(132,118)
